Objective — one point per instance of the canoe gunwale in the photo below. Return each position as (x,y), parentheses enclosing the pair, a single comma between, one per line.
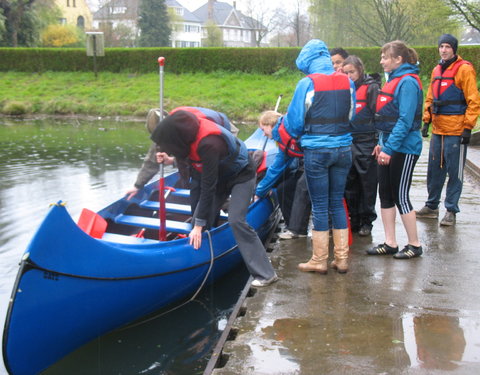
(32,265)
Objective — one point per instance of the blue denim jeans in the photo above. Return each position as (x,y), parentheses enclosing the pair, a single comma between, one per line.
(446,156)
(326,170)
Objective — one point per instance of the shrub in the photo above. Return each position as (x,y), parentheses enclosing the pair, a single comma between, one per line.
(59,36)
(15,108)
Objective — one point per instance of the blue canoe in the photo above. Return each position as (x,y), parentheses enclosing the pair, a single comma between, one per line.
(72,288)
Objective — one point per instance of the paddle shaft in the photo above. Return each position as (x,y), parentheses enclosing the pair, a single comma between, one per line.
(162,214)
(276,109)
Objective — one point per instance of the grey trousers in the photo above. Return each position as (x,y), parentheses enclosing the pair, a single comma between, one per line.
(250,246)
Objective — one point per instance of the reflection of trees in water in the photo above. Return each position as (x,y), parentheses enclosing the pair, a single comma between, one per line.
(102,145)
(440,341)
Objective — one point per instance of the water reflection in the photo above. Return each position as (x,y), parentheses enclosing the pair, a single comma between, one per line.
(441,342)
(89,164)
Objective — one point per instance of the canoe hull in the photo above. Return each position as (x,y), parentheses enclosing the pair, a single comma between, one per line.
(70,289)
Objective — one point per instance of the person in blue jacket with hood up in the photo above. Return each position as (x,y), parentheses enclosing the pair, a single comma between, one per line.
(317,122)
(398,118)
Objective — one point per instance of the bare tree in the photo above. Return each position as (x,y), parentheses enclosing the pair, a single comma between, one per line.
(468,10)
(388,20)
(258,18)
(300,25)
(290,29)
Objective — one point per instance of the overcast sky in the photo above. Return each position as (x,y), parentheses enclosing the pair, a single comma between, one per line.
(192,5)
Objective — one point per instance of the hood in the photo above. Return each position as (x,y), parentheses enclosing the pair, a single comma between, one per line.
(175,133)
(368,79)
(405,68)
(315,58)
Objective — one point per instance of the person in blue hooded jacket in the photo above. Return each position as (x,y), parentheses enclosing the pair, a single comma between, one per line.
(398,119)
(318,119)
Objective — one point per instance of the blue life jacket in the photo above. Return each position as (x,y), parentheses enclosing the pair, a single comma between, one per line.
(388,112)
(329,113)
(448,99)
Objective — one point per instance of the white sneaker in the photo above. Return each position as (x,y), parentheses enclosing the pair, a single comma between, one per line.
(261,283)
(289,235)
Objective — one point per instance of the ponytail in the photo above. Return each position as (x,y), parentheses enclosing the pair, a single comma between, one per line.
(399,48)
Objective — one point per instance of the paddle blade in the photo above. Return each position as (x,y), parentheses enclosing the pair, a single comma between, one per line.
(92,223)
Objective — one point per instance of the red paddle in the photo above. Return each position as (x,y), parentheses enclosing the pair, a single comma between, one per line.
(162,214)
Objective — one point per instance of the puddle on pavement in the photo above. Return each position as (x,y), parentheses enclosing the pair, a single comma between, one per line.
(425,341)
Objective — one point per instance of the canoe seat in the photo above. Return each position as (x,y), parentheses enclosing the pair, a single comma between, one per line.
(120,238)
(174,208)
(181,193)
(171,207)
(153,223)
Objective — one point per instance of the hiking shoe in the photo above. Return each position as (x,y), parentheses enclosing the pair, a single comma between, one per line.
(382,249)
(259,283)
(448,219)
(365,230)
(289,235)
(408,252)
(427,213)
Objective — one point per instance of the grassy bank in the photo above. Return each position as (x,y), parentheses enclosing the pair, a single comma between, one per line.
(241,96)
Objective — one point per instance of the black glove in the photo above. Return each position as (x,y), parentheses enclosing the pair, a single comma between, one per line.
(425,129)
(467,133)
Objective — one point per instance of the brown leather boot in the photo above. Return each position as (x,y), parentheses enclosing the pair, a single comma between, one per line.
(340,250)
(318,261)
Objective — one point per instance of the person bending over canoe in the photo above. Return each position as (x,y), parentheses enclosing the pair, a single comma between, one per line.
(150,166)
(220,167)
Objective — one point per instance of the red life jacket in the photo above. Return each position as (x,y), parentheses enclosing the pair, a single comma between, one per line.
(287,143)
(387,112)
(237,157)
(330,109)
(361,95)
(448,99)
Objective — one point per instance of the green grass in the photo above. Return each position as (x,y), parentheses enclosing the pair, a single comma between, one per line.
(241,96)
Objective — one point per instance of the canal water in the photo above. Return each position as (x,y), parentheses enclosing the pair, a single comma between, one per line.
(90,164)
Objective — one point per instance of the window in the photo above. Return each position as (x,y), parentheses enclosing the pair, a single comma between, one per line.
(118,10)
(178,11)
(68,3)
(191,29)
(81,22)
(74,4)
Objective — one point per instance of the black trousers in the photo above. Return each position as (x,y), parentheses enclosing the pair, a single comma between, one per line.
(362,182)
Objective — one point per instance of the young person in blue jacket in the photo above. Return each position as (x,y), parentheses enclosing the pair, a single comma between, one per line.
(398,119)
(317,123)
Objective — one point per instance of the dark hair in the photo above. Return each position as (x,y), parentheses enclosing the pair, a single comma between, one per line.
(339,51)
(356,62)
(399,48)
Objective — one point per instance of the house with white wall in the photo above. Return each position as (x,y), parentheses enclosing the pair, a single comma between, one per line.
(238,30)
(186,28)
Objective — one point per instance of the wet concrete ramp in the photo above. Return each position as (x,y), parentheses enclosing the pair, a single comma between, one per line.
(385,316)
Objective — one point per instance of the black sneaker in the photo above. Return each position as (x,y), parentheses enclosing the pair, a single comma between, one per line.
(408,252)
(382,249)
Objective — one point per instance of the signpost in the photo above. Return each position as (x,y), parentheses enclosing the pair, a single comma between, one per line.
(95,47)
